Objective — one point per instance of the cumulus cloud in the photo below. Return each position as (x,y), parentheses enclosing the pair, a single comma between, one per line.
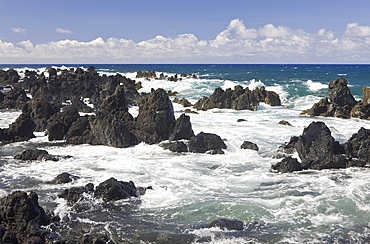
(63,31)
(235,44)
(19,30)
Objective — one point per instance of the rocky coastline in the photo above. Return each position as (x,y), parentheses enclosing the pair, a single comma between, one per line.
(108,122)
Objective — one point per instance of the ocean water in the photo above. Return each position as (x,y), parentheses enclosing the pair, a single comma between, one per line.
(190,190)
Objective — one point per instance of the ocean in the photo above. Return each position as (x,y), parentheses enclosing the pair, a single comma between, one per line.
(191,190)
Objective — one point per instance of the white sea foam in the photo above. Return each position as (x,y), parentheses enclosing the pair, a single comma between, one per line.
(315,86)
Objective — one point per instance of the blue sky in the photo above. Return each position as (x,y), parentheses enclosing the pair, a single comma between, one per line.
(35,29)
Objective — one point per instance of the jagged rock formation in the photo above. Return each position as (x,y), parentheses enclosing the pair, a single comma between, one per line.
(16,98)
(318,150)
(341,103)
(21,130)
(22,218)
(40,111)
(238,99)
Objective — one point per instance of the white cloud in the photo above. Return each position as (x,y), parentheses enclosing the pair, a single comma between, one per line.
(19,30)
(235,44)
(63,31)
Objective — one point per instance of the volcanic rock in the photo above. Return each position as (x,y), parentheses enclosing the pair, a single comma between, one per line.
(155,121)
(16,98)
(183,101)
(238,99)
(40,111)
(341,103)
(249,145)
(284,122)
(227,224)
(35,154)
(112,190)
(358,146)
(183,129)
(287,165)
(8,77)
(74,194)
(21,130)
(64,178)
(174,146)
(22,218)
(318,150)
(58,125)
(204,142)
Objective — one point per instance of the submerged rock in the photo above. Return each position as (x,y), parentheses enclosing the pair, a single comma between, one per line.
(109,190)
(35,154)
(249,145)
(287,165)
(64,178)
(74,194)
(175,146)
(227,224)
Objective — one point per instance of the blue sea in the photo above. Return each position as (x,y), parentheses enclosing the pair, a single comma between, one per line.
(191,190)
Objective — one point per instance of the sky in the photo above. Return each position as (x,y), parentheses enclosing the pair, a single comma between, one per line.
(191,31)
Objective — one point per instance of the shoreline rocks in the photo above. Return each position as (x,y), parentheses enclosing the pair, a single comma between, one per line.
(318,150)
(238,99)
(20,130)
(22,219)
(341,103)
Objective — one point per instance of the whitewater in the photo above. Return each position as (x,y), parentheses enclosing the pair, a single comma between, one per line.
(191,190)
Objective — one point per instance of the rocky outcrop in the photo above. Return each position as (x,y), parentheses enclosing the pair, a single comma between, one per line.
(146,74)
(155,121)
(362,109)
(35,154)
(21,130)
(102,129)
(8,77)
(74,194)
(238,99)
(183,101)
(174,146)
(59,124)
(317,149)
(16,98)
(287,165)
(249,145)
(357,147)
(341,103)
(183,129)
(40,111)
(109,190)
(22,219)
(113,190)
(227,224)
(206,142)
(64,178)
